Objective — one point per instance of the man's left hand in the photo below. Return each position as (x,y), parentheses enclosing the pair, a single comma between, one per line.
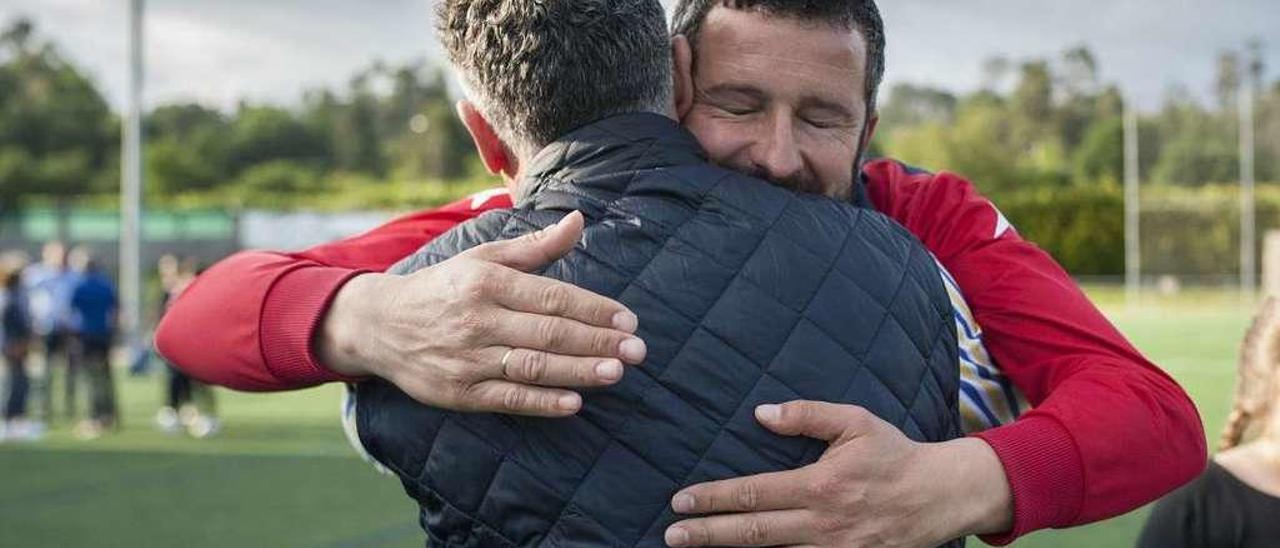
(872,487)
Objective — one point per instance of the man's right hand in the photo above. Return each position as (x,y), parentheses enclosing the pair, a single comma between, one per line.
(442,334)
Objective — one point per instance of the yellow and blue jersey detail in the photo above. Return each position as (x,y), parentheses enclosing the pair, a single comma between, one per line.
(987,397)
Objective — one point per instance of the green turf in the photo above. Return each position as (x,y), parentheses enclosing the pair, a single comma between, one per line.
(280,473)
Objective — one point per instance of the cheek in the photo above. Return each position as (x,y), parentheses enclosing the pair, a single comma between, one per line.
(832,163)
(722,139)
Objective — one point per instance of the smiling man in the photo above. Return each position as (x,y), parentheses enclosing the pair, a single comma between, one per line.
(785,91)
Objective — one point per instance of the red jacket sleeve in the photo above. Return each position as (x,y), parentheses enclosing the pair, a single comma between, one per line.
(1109,431)
(247,322)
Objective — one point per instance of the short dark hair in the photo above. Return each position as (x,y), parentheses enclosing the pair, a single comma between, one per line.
(860,15)
(539,69)
(12,279)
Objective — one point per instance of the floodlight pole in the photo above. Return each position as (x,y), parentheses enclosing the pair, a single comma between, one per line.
(131,185)
(1132,210)
(1248,228)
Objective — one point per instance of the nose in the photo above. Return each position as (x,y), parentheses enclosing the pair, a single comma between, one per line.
(777,155)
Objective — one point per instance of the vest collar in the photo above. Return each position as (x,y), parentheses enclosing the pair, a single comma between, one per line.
(603,155)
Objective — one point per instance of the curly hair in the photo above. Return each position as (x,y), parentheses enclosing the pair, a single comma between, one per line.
(1257,381)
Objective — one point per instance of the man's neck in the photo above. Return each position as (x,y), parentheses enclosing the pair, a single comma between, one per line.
(525,161)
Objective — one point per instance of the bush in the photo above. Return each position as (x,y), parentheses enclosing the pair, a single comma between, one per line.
(1184,231)
(280,177)
(1082,227)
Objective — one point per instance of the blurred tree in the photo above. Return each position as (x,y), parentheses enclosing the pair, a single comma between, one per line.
(1031,106)
(56,130)
(1100,156)
(188,148)
(355,137)
(1197,154)
(1079,72)
(1226,85)
(260,134)
(1255,65)
(994,72)
(1078,83)
(427,140)
(910,105)
(280,177)
(1268,134)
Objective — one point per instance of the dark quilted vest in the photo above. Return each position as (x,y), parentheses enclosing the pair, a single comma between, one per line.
(747,294)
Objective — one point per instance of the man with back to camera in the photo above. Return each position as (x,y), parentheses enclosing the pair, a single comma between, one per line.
(1060,357)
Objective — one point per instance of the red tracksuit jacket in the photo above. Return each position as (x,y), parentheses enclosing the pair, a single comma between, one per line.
(1109,432)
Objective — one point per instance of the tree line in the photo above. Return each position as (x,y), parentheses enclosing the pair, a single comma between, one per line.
(59,138)
(1041,136)
(1052,124)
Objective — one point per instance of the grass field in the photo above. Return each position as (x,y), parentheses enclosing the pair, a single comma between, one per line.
(280,472)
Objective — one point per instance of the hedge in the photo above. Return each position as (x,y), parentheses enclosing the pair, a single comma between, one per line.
(1184,231)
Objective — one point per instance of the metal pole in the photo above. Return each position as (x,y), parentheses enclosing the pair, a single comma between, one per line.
(1132,209)
(1248,235)
(131,184)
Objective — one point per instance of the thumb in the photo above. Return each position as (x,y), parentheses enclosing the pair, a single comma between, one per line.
(536,249)
(819,420)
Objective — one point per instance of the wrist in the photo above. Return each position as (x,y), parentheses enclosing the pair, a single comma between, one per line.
(338,337)
(973,473)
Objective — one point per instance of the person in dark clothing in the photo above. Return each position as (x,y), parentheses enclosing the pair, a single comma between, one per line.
(1236,502)
(94,304)
(188,403)
(15,344)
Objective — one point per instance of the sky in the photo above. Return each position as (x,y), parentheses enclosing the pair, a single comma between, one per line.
(271,51)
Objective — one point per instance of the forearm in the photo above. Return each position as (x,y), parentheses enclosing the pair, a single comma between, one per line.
(249,321)
(1110,431)
(1107,440)
(246,323)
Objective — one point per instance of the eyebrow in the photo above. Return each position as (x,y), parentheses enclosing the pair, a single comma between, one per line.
(742,89)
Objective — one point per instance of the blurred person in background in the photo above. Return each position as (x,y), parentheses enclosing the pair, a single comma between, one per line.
(1236,502)
(189,403)
(50,283)
(15,343)
(178,383)
(94,305)
(201,419)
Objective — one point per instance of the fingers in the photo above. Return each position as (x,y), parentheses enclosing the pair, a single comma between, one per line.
(546,369)
(567,337)
(818,420)
(511,398)
(783,527)
(771,491)
(545,296)
(536,249)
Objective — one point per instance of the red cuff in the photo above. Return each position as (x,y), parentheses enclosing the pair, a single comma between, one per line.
(1045,471)
(290,315)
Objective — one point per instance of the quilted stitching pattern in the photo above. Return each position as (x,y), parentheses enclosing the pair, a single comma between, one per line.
(764,296)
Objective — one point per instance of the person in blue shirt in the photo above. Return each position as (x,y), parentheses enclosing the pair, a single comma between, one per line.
(49,284)
(93,307)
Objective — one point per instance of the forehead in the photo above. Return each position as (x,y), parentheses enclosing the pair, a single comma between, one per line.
(781,53)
